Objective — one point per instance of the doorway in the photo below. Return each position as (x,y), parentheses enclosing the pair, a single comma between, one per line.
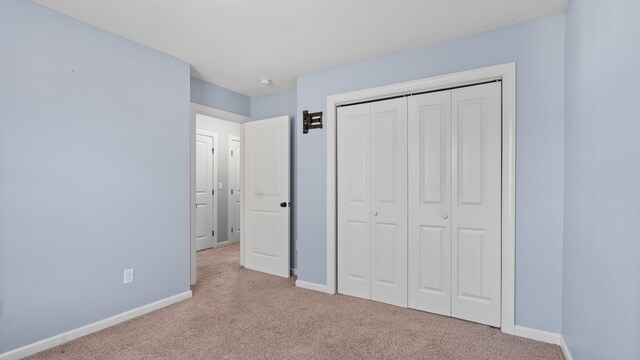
(214,178)
(240,154)
(225,187)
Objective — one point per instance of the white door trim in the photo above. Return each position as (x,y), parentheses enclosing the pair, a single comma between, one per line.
(220,114)
(239,175)
(242,242)
(214,179)
(505,72)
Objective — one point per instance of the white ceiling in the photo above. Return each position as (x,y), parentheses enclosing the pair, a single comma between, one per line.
(234,43)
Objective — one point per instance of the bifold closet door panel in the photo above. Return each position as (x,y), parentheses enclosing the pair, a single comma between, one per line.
(429,262)
(354,200)
(476,203)
(389,201)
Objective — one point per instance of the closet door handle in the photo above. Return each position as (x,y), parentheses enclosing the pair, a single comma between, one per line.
(445,216)
(375,213)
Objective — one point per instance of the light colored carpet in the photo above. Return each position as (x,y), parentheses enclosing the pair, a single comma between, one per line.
(237,313)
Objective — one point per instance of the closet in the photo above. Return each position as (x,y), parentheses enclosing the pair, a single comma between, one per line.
(419,201)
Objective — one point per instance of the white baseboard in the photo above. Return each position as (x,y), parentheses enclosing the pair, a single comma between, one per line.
(223,244)
(539,335)
(56,340)
(544,336)
(565,350)
(311,286)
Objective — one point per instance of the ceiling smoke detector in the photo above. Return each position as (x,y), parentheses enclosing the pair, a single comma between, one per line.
(265,81)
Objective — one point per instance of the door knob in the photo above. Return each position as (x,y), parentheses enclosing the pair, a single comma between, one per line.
(375,213)
(445,216)
(283,204)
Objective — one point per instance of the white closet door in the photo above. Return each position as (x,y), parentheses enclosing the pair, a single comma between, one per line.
(419,202)
(476,203)
(389,201)
(354,202)
(429,261)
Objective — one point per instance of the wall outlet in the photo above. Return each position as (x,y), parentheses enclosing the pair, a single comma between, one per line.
(128,276)
(220,185)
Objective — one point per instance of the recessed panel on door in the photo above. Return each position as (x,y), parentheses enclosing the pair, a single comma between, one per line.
(429,256)
(357,256)
(389,201)
(476,203)
(354,200)
(269,232)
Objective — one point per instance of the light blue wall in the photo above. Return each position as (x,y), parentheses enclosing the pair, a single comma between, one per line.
(94,174)
(538,49)
(277,104)
(212,95)
(601,309)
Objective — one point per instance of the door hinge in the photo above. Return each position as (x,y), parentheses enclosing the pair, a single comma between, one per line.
(231,152)
(213,150)
(213,192)
(232,229)
(213,233)
(231,191)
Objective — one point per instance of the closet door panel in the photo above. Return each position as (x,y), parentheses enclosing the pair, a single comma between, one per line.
(429,256)
(389,201)
(354,200)
(476,203)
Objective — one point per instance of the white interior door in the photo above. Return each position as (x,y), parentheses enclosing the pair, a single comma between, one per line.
(354,200)
(205,209)
(234,189)
(389,201)
(266,188)
(372,201)
(430,202)
(476,203)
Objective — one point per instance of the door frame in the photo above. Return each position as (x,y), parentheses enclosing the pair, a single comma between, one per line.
(223,115)
(507,74)
(214,180)
(240,178)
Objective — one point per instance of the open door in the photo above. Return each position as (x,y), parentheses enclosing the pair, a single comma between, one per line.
(266,187)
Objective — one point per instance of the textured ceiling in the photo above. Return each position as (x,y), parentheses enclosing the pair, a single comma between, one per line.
(234,43)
